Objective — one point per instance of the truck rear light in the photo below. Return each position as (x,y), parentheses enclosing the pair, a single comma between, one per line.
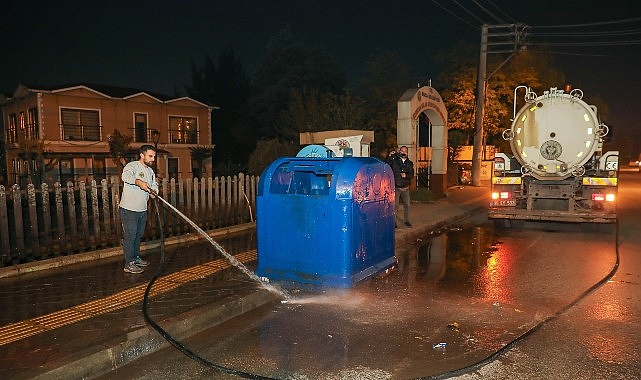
(598,197)
(603,197)
(501,195)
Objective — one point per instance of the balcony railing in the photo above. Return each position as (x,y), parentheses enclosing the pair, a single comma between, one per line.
(30,132)
(80,132)
(146,135)
(183,137)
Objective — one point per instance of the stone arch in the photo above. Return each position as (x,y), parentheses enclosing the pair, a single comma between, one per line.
(414,102)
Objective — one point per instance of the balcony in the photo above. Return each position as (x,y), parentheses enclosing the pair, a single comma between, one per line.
(72,132)
(145,135)
(183,136)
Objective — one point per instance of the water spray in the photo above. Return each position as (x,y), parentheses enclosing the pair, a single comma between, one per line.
(227,255)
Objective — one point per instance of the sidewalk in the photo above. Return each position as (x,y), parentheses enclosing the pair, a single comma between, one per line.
(85,319)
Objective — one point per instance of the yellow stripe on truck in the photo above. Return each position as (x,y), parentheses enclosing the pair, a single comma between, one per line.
(600,181)
(506,180)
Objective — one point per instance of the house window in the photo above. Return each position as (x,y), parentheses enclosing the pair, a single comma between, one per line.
(140,127)
(22,123)
(183,130)
(79,124)
(32,124)
(12,129)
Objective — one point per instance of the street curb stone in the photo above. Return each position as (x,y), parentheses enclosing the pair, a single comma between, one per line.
(91,363)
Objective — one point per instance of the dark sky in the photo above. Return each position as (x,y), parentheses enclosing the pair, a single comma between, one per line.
(151,44)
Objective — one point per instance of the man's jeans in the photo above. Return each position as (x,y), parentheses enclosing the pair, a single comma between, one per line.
(133,227)
(404,195)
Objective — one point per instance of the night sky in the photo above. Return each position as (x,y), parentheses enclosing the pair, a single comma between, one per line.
(152,44)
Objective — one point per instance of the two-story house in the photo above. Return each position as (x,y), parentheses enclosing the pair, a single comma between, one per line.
(62,133)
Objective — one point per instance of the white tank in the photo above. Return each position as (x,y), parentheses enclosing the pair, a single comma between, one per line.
(555,134)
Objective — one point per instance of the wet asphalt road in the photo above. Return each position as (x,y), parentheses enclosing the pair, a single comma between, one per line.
(483,291)
(599,337)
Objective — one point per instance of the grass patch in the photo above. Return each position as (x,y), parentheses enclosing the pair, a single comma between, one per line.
(423,195)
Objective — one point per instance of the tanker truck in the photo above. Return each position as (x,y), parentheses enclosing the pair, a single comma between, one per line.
(556,170)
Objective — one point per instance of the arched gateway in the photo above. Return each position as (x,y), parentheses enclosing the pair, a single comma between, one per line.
(422,127)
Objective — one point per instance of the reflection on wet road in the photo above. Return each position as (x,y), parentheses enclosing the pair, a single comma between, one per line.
(455,298)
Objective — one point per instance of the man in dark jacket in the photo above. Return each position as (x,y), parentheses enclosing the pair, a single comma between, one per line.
(403,169)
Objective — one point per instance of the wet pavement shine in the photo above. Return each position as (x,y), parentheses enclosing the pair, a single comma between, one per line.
(85,320)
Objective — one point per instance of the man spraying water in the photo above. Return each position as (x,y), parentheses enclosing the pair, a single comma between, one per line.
(139,184)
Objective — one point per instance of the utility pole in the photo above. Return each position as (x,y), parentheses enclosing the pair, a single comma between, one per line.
(514,38)
(477,149)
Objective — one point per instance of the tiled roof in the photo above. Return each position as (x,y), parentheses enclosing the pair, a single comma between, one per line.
(112,91)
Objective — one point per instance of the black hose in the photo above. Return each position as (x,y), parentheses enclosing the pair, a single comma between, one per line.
(162,233)
(502,350)
(192,355)
(168,337)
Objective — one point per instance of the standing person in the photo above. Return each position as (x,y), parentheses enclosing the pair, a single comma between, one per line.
(403,169)
(139,182)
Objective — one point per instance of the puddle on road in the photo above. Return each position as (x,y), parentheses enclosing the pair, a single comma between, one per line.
(464,260)
(461,259)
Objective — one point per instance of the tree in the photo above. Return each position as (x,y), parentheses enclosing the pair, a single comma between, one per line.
(288,65)
(458,79)
(118,148)
(33,152)
(386,79)
(198,156)
(456,139)
(226,86)
(269,150)
(313,111)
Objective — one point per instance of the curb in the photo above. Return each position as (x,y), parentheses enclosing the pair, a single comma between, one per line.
(92,363)
(118,352)
(413,236)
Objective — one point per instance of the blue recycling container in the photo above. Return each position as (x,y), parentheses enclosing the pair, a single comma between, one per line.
(325,221)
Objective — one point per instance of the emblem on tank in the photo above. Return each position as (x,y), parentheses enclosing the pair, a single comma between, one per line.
(551,150)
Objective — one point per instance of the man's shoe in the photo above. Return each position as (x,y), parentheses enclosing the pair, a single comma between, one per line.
(131,267)
(140,262)
(408,224)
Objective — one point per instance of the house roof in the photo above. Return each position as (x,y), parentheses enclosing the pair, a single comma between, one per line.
(106,90)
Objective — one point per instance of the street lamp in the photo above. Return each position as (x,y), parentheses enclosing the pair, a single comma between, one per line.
(155,136)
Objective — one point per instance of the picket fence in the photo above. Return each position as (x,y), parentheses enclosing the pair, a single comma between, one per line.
(41,223)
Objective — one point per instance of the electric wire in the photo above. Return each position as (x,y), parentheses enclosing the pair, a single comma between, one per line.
(553,317)
(454,15)
(468,12)
(501,10)
(495,17)
(598,23)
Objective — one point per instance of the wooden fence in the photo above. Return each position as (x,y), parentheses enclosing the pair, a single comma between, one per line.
(40,223)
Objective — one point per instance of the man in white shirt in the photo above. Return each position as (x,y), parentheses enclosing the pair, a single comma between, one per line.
(139,184)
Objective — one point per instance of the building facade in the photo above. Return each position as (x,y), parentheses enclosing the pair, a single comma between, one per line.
(62,133)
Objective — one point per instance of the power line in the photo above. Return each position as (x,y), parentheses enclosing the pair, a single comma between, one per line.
(501,11)
(590,34)
(600,23)
(488,12)
(468,12)
(587,43)
(455,15)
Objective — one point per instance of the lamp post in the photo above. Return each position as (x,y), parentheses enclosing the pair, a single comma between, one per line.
(155,136)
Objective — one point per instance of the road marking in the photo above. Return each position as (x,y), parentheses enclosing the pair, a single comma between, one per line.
(23,329)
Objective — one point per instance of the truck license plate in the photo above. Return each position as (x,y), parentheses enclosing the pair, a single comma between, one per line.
(504,203)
